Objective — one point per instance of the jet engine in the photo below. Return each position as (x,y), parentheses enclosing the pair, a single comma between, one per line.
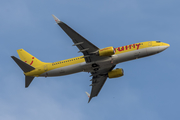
(116,73)
(108,51)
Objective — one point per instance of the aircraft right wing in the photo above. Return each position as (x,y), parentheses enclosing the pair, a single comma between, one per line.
(84,46)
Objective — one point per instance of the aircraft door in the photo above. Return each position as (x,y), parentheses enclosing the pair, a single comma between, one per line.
(137,53)
(150,43)
(45,67)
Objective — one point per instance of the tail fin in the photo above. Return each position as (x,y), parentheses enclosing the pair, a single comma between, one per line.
(29,59)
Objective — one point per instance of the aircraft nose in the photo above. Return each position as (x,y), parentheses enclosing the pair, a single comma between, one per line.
(163,47)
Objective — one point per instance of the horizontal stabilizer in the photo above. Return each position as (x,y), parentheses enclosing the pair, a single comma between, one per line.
(24,66)
(28,81)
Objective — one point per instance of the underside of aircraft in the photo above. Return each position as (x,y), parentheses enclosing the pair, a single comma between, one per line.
(99,62)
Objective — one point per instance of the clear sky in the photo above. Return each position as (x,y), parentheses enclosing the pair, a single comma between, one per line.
(149,90)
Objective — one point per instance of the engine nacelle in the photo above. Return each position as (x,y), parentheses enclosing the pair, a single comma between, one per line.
(108,51)
(116,73)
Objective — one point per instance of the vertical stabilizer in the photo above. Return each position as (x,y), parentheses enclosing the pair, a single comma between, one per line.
(29,59)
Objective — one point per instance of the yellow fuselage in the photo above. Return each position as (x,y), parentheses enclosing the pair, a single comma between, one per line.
(78,64)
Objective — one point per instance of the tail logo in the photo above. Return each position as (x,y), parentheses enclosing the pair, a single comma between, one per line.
(31,61)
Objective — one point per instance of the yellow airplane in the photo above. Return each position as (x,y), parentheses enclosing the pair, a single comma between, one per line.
(99,62)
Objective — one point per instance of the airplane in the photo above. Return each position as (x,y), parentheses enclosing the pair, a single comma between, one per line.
(99,62)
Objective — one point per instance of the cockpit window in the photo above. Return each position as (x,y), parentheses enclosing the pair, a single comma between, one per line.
(158,41)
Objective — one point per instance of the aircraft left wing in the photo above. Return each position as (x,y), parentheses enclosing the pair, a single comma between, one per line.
(98,80)
(84,46)
(97,83)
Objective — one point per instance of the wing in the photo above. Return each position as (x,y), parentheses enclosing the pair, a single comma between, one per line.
(97,83)
(84,46)
(98,80)
(88,49)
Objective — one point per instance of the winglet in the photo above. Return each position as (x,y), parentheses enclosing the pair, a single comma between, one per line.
(88,94)
(56,19)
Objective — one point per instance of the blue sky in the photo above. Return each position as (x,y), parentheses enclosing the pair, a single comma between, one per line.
(148,90)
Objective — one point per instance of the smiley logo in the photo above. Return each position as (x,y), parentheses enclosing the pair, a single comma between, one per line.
(31,61)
